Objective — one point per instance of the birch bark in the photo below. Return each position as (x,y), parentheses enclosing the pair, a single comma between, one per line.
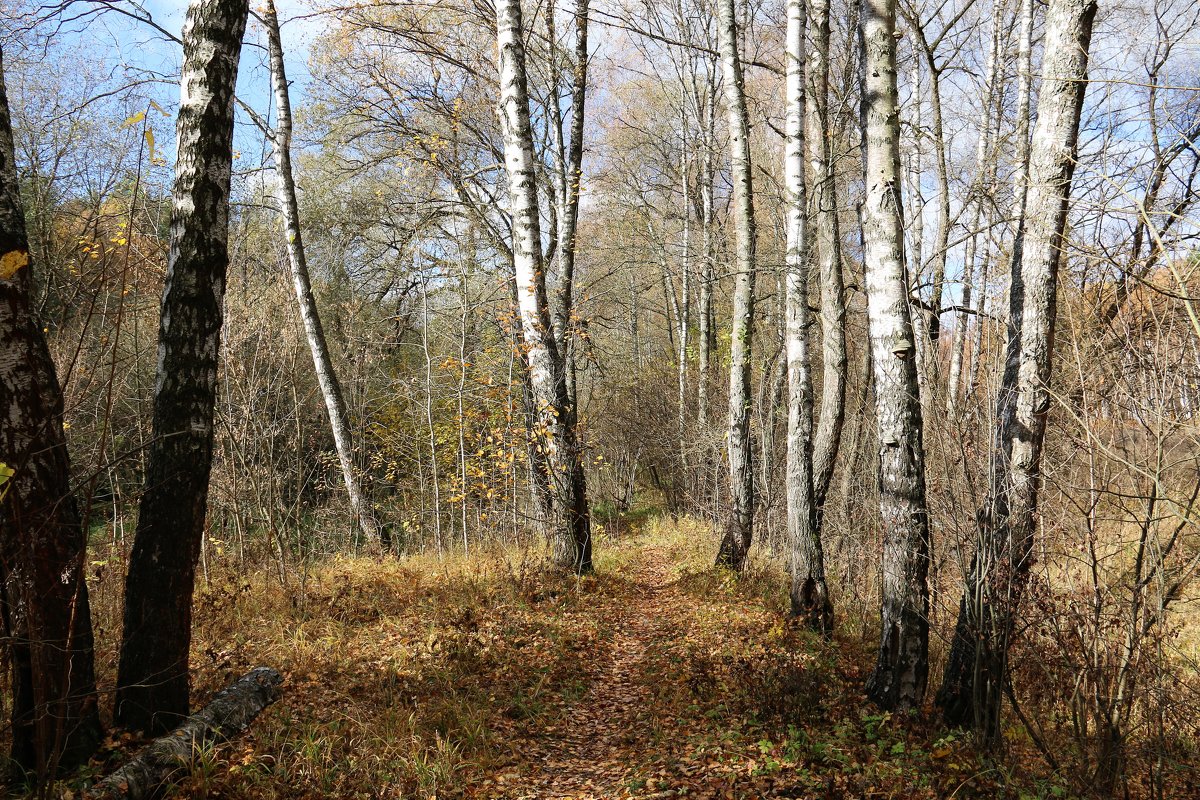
(983,148)
(827,239)
(736,542)
(809,595)
(901,672)
(973,684)
(571,530)
(152,678)
(331,388)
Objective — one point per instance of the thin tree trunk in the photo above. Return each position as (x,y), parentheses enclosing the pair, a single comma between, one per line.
(435,472)
(931,319)
(809,595)
(571,538)
(568,213)
(708,268)
(152,678)
(331,389)
(1024,93)
(976,670)
(827,239)
(978,190)
(685,305)
(736,542)
(898,682)
(44,601)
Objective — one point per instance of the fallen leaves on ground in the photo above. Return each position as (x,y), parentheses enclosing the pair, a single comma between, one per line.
(488,678)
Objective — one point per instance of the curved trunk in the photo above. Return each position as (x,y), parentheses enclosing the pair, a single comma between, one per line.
(331,389)
(827,239)
(152,679)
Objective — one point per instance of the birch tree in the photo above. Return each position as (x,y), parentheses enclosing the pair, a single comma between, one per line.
(976,670)
(899,679)
(828,247)
(46,617)
(568,175)
(571,536)
(736,541)
(809,594)
(978,191)
(331,389)
(152,678)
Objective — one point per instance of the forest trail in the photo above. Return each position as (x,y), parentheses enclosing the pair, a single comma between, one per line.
(586,752)
(489,678)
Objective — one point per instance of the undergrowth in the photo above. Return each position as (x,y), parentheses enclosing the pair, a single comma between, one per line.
(427,677)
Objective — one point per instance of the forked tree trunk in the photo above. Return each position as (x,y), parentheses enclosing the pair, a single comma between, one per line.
(571,535)
(152,678)
(44,600)
(827,240)
(898,682)
(331,388)
(973,686)
(735,543)
(809,594)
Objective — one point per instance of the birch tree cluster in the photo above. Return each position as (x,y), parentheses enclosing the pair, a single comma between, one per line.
(900,295)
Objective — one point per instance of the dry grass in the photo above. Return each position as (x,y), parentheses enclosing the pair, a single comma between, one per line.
(427,677)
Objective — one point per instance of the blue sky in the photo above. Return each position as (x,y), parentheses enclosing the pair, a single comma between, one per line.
(132,50)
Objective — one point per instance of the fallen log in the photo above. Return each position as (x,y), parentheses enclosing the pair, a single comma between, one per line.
(169,758)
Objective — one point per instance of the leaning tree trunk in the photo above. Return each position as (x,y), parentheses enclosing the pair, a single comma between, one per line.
(809,594)
(152,678)
(44,601)
(828,243)
(736,542)
(331,389)
(571,540)
(902,668)
(976,670)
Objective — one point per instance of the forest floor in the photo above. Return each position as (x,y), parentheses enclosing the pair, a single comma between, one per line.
(488,677)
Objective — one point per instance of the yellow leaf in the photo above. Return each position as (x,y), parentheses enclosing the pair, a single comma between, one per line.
(150,142)
(12,261)
(134,120)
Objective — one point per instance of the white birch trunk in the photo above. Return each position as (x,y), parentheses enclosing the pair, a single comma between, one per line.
(901,671)
(983,148)
(827,239)
(809,595)
(736,541)
(571,533)
(973,686)
(331,389)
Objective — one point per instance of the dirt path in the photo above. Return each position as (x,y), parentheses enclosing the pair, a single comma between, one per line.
(586,754)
